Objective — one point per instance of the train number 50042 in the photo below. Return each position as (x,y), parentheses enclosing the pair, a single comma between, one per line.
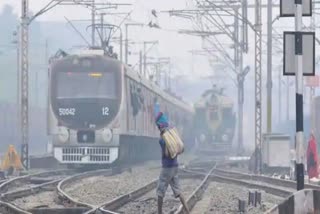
(67,111)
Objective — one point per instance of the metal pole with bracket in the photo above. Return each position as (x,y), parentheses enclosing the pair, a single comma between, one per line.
(299,96)
(24,42)
(299,53)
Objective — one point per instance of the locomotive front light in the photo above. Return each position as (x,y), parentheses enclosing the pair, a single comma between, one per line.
(63,134)
(107,135)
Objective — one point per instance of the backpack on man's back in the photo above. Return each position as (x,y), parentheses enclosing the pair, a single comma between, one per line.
(174,143)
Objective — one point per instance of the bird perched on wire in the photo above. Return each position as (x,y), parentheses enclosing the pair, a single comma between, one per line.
(154,20)
(154,13)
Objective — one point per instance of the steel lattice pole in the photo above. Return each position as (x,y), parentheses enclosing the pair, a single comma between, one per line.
(269,69)
(258,85)
(240,79)
(24,84)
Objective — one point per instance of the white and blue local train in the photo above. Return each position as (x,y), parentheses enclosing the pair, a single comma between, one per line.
(101,112)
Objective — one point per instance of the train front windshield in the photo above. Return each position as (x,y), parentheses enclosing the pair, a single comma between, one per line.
(86,85)
(86,94)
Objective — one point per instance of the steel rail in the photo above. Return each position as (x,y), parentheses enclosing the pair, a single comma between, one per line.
(71,205)
(111,206)
(269,189)
(11,209)
(10,196)
(70,200)
(266,179)
(7,196)
(278,187)
(4,187)
(197,194)
(118,202)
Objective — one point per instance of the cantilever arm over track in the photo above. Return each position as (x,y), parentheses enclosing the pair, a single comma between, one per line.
(76,30)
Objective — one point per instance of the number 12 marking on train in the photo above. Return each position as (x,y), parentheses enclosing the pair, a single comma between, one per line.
(105,111)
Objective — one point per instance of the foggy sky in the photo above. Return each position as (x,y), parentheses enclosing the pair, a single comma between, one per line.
(177,46)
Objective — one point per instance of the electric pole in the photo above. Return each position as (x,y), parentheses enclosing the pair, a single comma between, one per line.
(24,84)
(93,23)
(145,52)
(144,59)
(258,49)
(299,99)
(312,89)
(140,62)
(126,57)
(126,45)
(103,39)
(269,68)
(280,96)
(165,61)
(16,41)
(288,99)
(238,61)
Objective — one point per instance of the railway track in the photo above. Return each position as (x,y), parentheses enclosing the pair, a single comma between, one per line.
(227,187)
(200,180)
(51,196)
(256,179)
(48,197)
(96,190)
(27,181)
(245,178)
(23,186)
(142,200)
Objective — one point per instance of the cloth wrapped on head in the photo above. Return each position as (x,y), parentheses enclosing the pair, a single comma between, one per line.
(162,121)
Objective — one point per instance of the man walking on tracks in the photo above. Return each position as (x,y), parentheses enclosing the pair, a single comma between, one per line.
(169,172)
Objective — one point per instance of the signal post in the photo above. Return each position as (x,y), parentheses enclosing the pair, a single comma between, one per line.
(299,52)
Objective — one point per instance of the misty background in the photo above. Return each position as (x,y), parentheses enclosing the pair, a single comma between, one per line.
(189,78)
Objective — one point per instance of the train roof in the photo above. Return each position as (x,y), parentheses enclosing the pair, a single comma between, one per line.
(153,87)
(222,100)
(226,101)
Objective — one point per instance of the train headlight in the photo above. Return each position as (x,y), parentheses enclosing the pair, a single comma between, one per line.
(225,138)
(107,135)
(63,134)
